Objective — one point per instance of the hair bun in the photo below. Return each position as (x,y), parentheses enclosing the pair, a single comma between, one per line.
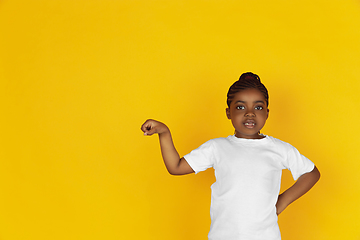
(250,76)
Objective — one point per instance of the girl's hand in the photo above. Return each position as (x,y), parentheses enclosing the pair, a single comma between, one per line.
(151,127)
(280,205)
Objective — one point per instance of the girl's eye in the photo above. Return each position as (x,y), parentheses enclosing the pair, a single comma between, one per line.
(240,107)
(259,108)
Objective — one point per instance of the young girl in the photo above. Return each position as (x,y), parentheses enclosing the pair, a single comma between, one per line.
(245,198)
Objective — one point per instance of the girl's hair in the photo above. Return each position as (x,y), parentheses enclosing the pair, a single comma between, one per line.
(247,80)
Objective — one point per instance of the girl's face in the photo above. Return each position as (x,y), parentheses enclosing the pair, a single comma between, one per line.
(248,113)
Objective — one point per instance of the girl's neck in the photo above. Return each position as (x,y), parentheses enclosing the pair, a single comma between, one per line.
(258,136)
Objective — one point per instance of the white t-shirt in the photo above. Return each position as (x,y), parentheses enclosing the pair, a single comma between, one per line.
(248,175)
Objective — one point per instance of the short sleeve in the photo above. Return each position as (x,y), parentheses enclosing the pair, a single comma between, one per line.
(201,158)
(297,163)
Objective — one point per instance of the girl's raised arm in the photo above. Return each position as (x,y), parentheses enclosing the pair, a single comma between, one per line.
(174,164)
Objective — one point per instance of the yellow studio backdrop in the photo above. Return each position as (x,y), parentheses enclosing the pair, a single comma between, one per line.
(78,78)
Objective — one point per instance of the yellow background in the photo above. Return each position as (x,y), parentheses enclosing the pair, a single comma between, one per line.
(78,78)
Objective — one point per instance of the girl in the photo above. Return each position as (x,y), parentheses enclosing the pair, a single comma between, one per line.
(245,198)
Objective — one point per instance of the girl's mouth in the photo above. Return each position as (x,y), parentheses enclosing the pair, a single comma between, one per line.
(249,124)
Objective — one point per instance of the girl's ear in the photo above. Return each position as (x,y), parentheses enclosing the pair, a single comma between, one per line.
(228,113)
(267,114)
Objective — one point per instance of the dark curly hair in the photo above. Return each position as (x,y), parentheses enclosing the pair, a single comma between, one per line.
(247,80)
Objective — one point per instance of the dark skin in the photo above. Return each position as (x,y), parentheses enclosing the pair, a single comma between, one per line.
(248,113)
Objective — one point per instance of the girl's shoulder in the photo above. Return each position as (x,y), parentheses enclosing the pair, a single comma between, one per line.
(280,143)
(219,140)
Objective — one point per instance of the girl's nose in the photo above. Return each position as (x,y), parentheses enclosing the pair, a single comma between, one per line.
(249,114)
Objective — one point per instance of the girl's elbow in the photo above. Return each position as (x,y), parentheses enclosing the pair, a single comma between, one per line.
(179,171)
(316,174)
(173,171)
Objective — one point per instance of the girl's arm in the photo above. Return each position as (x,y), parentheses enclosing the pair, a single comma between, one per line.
(301,186)
(174,164)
